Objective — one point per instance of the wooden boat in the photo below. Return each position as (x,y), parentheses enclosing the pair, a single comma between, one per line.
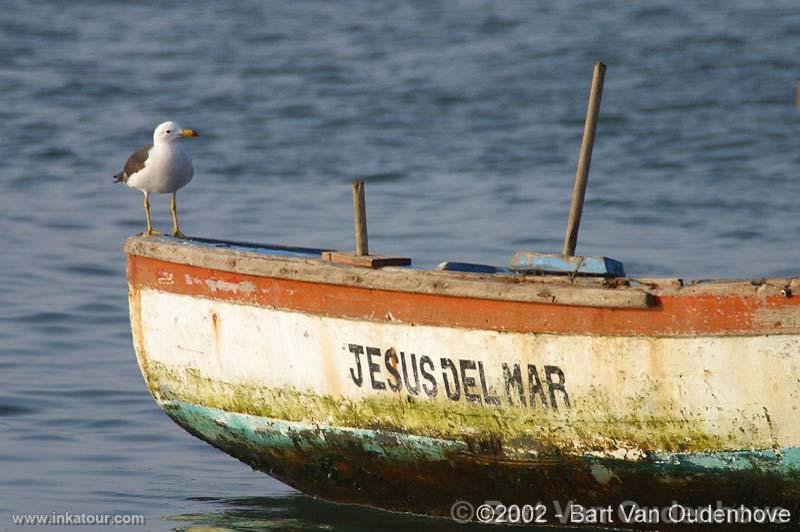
(409,389)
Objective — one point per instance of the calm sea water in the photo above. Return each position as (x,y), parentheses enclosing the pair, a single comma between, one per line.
(463,117)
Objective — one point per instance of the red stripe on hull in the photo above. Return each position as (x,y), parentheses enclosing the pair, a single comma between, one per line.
(673,315)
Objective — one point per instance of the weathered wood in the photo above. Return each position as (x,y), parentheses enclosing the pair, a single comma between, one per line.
(364,261)
(497,287)
(584,160)
(360,217)
(311,269)
(658,282)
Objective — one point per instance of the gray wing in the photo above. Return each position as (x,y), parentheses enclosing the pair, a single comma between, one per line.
(134,163)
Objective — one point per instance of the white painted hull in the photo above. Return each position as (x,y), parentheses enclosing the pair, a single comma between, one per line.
(722,387)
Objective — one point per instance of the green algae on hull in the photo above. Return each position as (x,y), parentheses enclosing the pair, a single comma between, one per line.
(427,475)
(588,427)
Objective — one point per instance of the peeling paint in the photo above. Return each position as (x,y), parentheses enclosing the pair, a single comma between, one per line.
(216,285)
(165,278)
(189,280)
(601,474)
(780,318)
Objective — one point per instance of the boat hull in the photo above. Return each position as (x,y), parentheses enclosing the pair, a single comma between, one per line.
(428,476)
(412,402)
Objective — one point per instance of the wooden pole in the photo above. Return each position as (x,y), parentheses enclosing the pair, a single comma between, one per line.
(360,215)
(361,257)
(584,160)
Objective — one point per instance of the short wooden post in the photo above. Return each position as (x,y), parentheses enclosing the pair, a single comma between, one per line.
(584,160)
(360,216)
(361,257)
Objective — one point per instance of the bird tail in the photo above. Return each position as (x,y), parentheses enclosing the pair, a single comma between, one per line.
(119,178)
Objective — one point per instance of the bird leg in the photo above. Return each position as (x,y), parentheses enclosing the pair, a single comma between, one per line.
(176,231)
(150,231)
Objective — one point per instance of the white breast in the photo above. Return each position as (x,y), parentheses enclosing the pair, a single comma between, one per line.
(168,168)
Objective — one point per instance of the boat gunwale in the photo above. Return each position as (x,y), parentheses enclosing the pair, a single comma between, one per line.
(576,291)
(641,293)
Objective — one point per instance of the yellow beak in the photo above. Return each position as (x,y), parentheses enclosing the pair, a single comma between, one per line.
(189,133)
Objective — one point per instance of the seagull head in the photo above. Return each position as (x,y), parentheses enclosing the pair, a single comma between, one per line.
(171,132)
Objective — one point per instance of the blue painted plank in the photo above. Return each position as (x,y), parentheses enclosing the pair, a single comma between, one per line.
(553,263)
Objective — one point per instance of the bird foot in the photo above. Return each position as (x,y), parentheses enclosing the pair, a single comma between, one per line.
(150,232)
(177,234)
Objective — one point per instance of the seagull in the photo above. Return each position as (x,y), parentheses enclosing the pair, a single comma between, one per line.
(161,168)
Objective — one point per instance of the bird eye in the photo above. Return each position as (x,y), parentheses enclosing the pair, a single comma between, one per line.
(168,131)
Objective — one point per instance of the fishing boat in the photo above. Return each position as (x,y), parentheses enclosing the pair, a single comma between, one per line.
(409,389)
(365,379)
